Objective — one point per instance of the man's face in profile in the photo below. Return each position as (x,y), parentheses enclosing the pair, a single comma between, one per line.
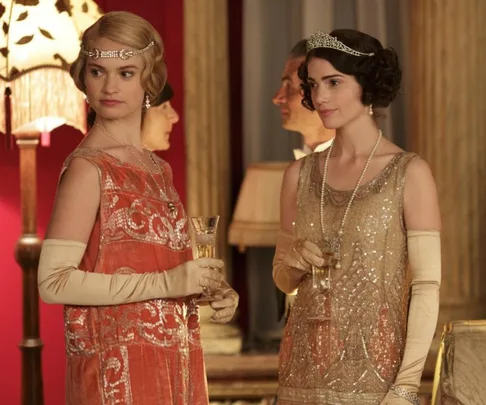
(288,98)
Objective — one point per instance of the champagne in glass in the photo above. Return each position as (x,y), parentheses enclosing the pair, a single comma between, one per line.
(206,248)
(204,245)
(205,229)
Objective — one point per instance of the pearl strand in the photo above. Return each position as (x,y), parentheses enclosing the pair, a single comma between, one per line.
(350,202)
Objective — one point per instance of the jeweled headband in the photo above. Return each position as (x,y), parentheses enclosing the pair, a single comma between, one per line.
(322,40)
(124,54)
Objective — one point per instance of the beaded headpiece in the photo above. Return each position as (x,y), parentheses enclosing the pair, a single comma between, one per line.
(321,40)
(124,54)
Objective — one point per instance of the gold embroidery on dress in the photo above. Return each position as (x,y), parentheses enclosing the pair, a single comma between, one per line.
(356,358)
(109,184)
(132,211)
(163,323)
(145,223)
(116,381)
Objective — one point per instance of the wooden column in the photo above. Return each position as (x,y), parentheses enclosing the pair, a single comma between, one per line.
(206,111)
(447,60)
(207,131)
(27,254)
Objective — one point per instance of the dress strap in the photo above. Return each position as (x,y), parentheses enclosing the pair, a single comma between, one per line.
(402,164)
(306,169)
(94,156)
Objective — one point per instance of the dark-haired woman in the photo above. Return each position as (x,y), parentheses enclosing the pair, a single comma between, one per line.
(158,121)
(360,238)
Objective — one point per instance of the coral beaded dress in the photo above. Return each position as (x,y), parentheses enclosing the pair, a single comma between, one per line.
(144,353)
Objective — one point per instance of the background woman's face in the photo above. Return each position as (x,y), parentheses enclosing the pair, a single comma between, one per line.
(157,127)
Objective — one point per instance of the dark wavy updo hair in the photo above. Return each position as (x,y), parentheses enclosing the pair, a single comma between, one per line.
(379,75)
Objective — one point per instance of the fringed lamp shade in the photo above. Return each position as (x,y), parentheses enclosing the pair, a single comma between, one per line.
(256,219)
(41,39)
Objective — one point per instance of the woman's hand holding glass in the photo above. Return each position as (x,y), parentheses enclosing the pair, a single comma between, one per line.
(321,284)
(225,307)
(304,255)
(193,277)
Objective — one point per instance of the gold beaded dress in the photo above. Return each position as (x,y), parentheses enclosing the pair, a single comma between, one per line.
(354,357)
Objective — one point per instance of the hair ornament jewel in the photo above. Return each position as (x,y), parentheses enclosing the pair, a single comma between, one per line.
(123,54)
(321,40)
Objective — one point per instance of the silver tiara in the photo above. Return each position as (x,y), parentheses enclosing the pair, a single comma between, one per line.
(322,40)
(124,54)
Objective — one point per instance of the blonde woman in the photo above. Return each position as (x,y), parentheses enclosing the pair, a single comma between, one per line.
(117,252)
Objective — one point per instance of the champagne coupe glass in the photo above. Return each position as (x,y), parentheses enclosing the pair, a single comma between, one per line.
(205,230)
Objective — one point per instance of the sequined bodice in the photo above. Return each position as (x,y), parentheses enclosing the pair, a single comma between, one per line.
(355,357)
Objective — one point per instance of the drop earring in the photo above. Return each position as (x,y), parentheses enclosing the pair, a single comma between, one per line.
(370,110)
(86,99)
(147,102)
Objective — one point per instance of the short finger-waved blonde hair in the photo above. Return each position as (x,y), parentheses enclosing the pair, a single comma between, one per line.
(135,32)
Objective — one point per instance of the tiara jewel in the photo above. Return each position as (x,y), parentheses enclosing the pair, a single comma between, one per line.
(322,40)
(124,54)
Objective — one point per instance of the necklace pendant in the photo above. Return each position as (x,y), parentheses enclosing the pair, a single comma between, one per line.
(171,207)
(337,266)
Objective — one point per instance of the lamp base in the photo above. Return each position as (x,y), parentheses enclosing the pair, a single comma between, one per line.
(45,139)
(27,253)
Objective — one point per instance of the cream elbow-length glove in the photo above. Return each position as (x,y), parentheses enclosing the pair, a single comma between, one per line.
(60,280)
(294,259)
(424,255)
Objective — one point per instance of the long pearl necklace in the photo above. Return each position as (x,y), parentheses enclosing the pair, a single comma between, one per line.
(163,193)
(337,248)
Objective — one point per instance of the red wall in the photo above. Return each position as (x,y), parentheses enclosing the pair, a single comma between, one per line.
(166,16)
